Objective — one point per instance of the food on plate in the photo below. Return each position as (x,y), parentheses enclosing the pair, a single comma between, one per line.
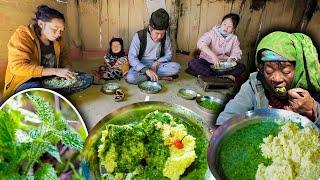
(239,155)
(60,82)
(210,105)
(155,147)
(295,154)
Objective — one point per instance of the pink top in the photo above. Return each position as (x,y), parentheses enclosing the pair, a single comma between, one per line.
(223,47)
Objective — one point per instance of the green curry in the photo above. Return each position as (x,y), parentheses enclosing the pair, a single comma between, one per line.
(143,154)
(134,140)
(187,93)
(59,82)
(240,153)
(211,105)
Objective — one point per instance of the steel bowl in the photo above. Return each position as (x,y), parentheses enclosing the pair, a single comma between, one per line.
(188,94)
(83,81)
(225,66)
(110,88)
(133,113)
(150,87)
(210,104)
(242,120)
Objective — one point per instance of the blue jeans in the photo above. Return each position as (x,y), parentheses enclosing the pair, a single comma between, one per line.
(164,70)
(32,83)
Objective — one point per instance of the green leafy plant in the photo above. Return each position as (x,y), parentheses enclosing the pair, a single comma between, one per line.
(21,149)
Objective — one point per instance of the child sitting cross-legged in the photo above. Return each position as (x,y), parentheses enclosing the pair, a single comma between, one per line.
(115,65)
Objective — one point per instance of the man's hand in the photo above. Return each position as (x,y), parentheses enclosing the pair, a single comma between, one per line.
(65,72)
(154,66)
(152,75)
(300,101)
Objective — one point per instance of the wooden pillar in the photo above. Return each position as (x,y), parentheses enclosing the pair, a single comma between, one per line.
(73,24)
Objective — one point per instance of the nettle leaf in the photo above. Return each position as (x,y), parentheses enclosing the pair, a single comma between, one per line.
(82,132)
(44,110)
(53,137)
(11,176)
(72,139)
(7,128)
(60,123)
(3,166)
(12,157)
(26,178)
(53,151)
(10,150)
(15,116)
(37,148)
(46,172)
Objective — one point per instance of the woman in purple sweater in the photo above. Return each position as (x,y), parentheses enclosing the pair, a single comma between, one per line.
(216,45)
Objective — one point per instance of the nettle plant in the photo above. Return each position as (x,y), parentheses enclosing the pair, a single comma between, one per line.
(21,147)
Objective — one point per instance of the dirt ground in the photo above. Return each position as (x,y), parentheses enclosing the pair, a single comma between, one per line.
(94,105)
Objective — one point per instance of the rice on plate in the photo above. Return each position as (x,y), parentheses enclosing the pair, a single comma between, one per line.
(295,154)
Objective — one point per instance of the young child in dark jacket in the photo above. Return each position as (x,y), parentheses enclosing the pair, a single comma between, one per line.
(116,63)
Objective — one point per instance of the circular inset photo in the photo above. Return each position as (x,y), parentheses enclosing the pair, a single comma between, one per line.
(42,135)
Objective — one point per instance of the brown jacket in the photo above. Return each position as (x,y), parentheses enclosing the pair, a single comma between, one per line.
(24,58)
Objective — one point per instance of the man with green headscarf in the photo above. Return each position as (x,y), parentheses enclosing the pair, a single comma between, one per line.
(288,78)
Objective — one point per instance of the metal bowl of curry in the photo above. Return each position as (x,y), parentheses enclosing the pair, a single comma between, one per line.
(210,104)
(235,147)
(150,87)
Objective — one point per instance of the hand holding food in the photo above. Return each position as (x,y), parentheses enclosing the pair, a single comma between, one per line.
(215,61)
(301,101)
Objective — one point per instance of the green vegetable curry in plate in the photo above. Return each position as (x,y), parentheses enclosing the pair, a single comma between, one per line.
(149,140)
(265,144)
(59,82)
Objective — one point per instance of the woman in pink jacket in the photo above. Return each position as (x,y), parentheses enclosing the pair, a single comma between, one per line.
(218,44)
